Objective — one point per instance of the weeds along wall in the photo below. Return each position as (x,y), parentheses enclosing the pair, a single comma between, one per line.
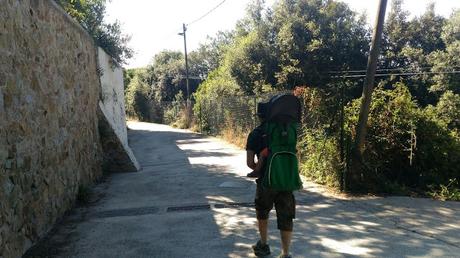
(49,142)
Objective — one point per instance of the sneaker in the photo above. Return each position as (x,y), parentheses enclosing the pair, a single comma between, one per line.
(261,250)
(284,256)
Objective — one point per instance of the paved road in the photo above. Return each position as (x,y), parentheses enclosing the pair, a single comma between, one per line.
(191,199)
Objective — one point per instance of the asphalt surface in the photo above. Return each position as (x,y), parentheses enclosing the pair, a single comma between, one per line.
(192,199)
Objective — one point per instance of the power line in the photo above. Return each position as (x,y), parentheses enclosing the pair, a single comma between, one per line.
(395,74)
(384,69)
(206,14)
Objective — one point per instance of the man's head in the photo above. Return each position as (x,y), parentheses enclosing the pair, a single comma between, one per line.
(262,109)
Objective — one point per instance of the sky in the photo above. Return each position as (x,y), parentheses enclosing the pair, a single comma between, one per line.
(154,24)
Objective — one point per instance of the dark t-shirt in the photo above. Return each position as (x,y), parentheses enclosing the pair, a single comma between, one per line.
(257,142)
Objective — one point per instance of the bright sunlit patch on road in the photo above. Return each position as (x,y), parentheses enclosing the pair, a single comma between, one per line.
(445,212)
(346,246)
(321,206)
(367,223)
(219,199)
(234,222)
(234,184)
(140,126)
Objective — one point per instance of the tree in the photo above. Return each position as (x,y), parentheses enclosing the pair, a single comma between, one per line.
(295,43)
(251,59)
(447,60)
(426,31)
(315,37)
(451,31)
(137,101)
(448,110)
(408,45)
(395,37)
(129,74)
(209,55)
(90,14)
(251,63)
(444,62)
(165,74)
(253,19)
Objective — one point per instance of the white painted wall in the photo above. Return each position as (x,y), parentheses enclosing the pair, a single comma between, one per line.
(113,101)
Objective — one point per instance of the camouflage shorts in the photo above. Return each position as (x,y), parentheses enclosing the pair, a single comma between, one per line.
(284,206)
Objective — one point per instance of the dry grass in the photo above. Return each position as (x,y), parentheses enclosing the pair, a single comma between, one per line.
(132,119)
(235,136)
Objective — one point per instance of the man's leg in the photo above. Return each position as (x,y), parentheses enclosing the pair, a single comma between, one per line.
(264,204)
(286,237)
(285,213)
(261,248)
(263,230)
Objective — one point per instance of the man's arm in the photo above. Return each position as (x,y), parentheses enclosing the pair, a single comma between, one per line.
(250,159)
(256,166)
(259,164)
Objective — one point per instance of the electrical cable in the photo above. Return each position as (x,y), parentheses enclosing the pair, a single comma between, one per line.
(395,74)
(383,69)
(206,14)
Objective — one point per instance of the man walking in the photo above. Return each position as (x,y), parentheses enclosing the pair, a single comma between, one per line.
(265,198)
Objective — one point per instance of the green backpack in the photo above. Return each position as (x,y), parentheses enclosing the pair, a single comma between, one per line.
(282,167)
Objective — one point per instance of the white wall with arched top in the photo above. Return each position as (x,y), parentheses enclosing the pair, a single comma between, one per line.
(112,94)
(118,156)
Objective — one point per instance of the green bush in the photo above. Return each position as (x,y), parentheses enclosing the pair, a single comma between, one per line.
(318,143)
(405,144)
(319,158)
(174,112)
(437,157)
(139,105)
(451,191)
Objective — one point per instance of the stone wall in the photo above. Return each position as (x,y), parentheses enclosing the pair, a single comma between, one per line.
(49,142)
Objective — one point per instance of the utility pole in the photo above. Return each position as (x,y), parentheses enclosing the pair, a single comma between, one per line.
(184,29)
(183,33)
(368,88)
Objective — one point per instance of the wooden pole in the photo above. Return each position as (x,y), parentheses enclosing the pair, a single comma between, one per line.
(368,87)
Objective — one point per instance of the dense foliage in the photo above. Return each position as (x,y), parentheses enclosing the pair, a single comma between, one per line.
(137,96)
(90,14)
(418,146)
(162,85)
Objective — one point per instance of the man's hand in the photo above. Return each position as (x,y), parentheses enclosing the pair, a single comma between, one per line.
(264,153)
